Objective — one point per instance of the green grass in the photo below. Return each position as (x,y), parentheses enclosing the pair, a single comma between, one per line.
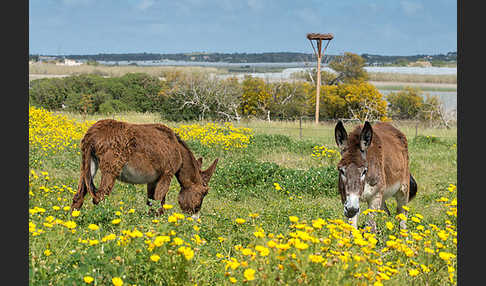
(242,184)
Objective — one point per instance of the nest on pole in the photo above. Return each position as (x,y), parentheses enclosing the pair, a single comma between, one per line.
(317,36)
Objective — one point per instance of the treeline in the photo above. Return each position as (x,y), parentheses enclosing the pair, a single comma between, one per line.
(435,60)
(280,57)
(185,96)
(197,96)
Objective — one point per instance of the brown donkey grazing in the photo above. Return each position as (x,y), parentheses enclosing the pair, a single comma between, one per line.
(141,154)
(373,168)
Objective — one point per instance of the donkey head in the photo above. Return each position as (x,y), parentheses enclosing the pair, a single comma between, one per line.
(353,166)
(191,198)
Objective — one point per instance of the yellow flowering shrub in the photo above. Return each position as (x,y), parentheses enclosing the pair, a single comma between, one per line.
(360,100)
(224,136)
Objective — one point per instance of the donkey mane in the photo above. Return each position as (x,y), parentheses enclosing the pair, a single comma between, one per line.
(183,144)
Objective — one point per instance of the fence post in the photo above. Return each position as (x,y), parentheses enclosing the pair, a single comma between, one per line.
(300,127)
(416,127)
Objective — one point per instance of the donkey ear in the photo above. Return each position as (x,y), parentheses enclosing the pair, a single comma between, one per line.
(340,135)
(365,136)
(200,162)
(206,174)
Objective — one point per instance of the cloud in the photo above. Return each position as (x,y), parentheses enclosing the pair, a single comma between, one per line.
(411,8)
(145,4)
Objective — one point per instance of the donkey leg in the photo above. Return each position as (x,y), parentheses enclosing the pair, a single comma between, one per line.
(150,193)
(374,203)
(78,198)
(106,185)
(161,189)
(402,199)
(150,196)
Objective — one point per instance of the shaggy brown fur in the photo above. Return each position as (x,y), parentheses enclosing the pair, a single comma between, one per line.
(376,158)
(140,154)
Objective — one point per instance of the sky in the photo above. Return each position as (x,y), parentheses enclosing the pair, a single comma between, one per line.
(384,27)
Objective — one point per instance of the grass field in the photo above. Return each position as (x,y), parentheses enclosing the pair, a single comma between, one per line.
(112,71)
(422,78)
(272,217)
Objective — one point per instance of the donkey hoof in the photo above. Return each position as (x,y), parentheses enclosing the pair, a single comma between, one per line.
(97,200)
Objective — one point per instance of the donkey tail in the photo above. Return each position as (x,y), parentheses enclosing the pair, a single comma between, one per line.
(413,188)
(86,179)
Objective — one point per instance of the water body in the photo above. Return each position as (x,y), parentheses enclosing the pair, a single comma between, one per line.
(448,98)
(289,67)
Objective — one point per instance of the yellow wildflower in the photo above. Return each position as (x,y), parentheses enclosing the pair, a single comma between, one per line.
(117,281)
(186,251)
(249,274)
(293,219)
(240,221)
(167,206)
(413,272)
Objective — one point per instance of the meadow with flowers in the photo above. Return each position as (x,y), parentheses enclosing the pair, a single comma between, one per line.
(272,216)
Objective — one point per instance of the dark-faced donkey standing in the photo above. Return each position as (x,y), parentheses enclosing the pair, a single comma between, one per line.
(373,168)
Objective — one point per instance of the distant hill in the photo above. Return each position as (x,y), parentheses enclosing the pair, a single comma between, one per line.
(276,57)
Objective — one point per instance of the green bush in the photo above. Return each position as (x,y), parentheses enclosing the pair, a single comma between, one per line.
(113,106)
(137,91)
(49,93)
(141,92)
(405,104)
(79,102)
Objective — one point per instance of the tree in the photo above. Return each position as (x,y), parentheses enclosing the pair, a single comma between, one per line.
(256,97)
(405,104)
(191,96)
(289,99)
(349,68)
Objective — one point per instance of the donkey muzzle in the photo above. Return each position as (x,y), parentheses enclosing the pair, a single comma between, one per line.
(350,212)
(351,207)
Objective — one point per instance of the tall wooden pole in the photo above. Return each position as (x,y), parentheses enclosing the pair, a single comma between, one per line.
(318,87)
(318,38)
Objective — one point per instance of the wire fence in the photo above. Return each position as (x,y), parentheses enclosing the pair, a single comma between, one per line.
(305,127)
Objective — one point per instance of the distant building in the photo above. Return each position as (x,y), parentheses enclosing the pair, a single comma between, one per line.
(46,58)
(69,62)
